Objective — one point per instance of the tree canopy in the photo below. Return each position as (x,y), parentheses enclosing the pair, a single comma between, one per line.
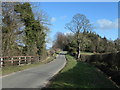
(78,24)
(22,33)
(90,42)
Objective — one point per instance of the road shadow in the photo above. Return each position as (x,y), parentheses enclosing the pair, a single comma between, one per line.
(83,75)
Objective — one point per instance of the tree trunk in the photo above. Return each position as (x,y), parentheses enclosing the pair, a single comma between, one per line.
(78,56)
(78,42)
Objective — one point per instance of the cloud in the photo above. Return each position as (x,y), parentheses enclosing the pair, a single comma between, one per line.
(63,17)
(68,33)
(53,19)
(106,24)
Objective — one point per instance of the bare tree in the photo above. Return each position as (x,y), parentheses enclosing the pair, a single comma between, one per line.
(60,40)
(78,24)
(10,31)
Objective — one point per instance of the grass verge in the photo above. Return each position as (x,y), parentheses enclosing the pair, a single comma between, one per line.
(80,75)
(11,69)
(87,53)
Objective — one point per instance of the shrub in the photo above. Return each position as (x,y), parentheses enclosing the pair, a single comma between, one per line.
(111,59)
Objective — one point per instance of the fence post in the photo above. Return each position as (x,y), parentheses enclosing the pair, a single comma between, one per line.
(39,58)
(1,59)
(25,60)
(19,61)
(30,60)
(12,60)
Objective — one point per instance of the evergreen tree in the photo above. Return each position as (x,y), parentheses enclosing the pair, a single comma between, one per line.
(35,31)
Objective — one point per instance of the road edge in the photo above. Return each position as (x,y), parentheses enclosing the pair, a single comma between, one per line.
(49,82)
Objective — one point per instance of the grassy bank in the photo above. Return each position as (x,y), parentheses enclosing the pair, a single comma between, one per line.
(11,69)
(86,53)
(80,75)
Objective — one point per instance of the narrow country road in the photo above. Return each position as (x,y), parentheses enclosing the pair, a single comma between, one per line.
(36,77)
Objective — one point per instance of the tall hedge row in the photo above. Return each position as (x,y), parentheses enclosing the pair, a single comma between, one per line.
(110,59)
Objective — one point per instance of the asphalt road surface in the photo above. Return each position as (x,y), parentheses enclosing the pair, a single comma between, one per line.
(36,77)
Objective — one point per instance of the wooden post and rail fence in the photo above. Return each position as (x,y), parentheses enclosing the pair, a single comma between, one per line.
(17,60)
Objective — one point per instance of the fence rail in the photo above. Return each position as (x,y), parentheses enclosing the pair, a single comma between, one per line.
(17,60)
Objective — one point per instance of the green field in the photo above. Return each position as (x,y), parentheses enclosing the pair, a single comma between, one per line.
(87,53)
(80,75)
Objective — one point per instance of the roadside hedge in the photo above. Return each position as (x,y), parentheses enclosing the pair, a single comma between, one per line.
(110,59)
(108,63)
